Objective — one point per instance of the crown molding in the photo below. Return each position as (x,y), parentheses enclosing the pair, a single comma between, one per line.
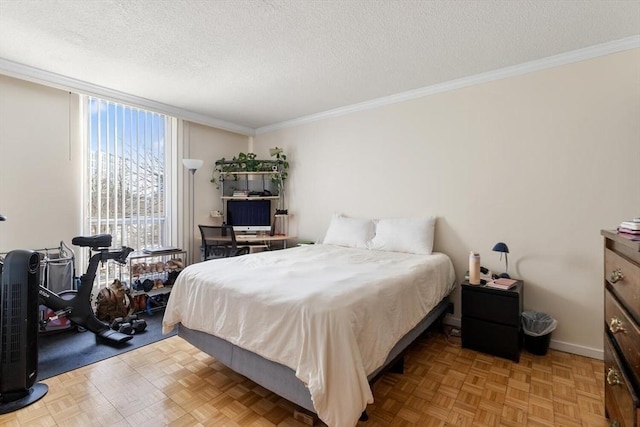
(24,72)
(36,75)
(516,70)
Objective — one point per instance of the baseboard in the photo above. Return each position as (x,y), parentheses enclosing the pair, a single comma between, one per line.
(580,350)
(452,321)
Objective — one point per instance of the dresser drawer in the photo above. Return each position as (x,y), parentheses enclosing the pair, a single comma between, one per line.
(625,332)
(621,400)
(624,278)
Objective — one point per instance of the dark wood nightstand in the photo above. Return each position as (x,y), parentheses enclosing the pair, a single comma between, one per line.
(491,319)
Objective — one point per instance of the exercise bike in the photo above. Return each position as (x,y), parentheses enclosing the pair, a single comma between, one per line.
(78,308)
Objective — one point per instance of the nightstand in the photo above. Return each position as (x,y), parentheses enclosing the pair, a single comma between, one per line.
(491,319)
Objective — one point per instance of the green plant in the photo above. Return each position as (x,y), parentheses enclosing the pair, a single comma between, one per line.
(220,166)
(281,159)
(243,162)
(248,162)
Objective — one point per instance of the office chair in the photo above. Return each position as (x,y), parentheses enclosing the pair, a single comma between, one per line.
(219,241)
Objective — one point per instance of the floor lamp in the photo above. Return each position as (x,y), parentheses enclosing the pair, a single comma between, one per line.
(193,165)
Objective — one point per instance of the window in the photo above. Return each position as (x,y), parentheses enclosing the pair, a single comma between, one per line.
(128,178)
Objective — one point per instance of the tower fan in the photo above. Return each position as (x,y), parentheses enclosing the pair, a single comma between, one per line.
(19,283)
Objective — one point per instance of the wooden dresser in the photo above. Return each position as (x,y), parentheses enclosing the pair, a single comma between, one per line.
(622,330)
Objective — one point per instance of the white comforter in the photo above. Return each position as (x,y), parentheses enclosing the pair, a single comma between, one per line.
(331,314)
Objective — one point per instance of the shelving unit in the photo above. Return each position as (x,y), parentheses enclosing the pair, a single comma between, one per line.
(256,179)
(252,182)
(163,266)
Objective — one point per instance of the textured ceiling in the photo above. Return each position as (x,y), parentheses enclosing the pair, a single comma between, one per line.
(262,62)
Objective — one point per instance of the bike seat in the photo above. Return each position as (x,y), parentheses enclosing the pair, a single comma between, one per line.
(97,241)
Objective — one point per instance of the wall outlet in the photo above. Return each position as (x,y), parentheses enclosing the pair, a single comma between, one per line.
(455,332)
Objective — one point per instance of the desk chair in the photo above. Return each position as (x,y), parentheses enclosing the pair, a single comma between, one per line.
(219,241)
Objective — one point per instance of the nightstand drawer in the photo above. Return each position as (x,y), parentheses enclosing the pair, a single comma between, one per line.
(491,305)
(491,338)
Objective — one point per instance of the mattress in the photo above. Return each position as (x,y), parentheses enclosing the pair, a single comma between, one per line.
(329,313)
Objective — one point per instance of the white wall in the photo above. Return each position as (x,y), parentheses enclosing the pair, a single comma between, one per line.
(208,144)
(40,166)
(40,188)
(541,161)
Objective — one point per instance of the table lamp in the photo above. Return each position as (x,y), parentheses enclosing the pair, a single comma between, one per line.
(503,249)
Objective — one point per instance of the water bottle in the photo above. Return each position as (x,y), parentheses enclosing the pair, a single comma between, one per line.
(474,268)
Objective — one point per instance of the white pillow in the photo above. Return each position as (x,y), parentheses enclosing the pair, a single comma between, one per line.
(412,235)
(350,232)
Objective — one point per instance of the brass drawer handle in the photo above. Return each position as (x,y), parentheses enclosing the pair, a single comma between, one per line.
(616,275)
(612,377)
(615,325)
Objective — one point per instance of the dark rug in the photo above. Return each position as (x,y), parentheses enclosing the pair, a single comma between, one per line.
(68,350)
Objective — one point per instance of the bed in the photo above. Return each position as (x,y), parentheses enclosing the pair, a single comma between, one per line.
(311,323)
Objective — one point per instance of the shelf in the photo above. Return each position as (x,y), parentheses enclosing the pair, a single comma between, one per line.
(157,291)
(251,181)
(142,254)
(251,173)
(250,197)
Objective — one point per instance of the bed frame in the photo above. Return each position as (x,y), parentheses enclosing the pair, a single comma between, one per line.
(281,379)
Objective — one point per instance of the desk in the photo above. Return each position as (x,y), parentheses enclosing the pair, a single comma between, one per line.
(262,239)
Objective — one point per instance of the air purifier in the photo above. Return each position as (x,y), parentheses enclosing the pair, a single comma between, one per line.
(19,287)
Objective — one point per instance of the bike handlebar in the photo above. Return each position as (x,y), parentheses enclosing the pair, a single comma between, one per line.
(120,256)
(124,253)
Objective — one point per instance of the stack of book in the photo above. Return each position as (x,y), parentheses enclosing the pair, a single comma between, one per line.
(502,283)
(630,229)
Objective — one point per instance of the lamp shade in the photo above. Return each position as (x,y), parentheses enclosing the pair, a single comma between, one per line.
(501,247)
(192,164)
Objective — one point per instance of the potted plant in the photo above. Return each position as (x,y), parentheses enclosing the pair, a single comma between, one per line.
(278,180)
(248,162)
(243,162)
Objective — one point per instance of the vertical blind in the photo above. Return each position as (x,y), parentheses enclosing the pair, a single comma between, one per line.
(128,161)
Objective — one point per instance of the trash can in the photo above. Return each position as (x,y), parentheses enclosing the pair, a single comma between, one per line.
(537,329)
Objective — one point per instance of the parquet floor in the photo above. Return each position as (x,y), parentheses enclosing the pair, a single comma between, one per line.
(172,383)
